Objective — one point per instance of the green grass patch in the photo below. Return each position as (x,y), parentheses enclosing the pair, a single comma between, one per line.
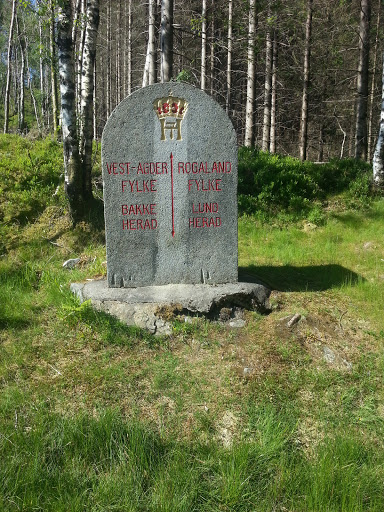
(99,416)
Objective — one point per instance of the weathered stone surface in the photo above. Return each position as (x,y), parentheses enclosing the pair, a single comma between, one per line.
(169,158)
(143,306)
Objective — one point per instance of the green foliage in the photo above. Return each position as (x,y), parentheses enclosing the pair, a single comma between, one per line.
(29,173)
(271,184)
(184,76)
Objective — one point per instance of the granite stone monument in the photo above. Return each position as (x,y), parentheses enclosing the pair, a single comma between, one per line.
(169,159)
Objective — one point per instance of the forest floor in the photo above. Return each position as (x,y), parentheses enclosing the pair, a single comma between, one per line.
(272,416)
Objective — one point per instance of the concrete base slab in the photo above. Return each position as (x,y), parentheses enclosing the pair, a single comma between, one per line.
(151,307)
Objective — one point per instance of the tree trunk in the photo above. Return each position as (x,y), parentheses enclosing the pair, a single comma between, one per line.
(362,81)
(212,50)
(203,44)
(373,85)
(52,45)
(378,156)
(79,49)
(229,57)
(41,66)
(8,82)
(109,57)
(117,67)
(306,81)
(267,87)
(87,84)
(73,179)
(129,49)
(94,102)
(21,109)
(249,124)
(272,138)
(149,75)
(166,41)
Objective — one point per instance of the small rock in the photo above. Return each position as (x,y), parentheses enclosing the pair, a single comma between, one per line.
(71,263)
(247,371)
(237,322)
(329,355)
(309,226)
(296,317)
(225,314)
(367,245)
(188,320)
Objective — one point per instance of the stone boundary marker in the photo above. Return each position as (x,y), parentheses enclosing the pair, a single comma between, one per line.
(169,160)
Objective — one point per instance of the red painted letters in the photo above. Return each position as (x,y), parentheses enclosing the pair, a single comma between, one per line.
(139,224)
(204,222)
(118,168)
(205,185)
(138,209)
(138,186)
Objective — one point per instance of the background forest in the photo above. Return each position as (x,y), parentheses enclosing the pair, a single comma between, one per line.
(298,77)
(283,412)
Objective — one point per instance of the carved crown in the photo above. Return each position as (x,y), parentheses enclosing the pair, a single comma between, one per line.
(170,106)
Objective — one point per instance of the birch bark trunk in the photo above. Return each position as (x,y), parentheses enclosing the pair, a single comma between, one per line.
(8,80)
(378,156)
(229,57)
(55,114)
(306,82)
(21,109)
(149,75)
(373,85)
(72,168)
(166,40)
(203,44)
(267,87)
(87,85)
(362,81)
(249,115)
(272,138)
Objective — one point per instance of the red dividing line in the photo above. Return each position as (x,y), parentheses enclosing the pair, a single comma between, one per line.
(173,209)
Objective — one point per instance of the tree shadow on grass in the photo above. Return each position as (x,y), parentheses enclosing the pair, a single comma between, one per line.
(14,323)
(311,278)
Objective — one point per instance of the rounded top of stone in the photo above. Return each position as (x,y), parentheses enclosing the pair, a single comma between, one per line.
(200,105)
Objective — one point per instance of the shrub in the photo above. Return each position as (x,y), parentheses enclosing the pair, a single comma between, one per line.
(270,184)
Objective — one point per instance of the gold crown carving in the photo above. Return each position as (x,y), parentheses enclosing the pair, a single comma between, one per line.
(170,106)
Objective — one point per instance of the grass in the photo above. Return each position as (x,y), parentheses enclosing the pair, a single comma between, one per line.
(99,416)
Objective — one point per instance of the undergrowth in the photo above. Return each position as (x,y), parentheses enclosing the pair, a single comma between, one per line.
(271,185)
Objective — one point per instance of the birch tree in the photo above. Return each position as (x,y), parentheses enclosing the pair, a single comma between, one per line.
(203,44)
(229,57)
(77,147)
(362,81)
(149,75)
(166,41)
(55,101)
(87,87)
(306,80)
(249,124)
(9,56)
(272,137)
(378,157)
(267,84)
(21,103)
